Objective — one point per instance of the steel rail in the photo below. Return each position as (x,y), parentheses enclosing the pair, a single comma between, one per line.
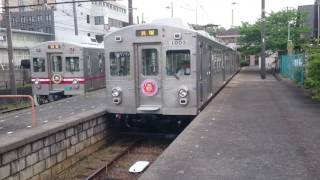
(113,160)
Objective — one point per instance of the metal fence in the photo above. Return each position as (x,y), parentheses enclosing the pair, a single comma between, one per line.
(293,67)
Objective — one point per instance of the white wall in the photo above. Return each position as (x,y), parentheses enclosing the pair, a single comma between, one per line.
(64,21)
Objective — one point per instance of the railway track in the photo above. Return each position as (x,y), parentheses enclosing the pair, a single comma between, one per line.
(114,161)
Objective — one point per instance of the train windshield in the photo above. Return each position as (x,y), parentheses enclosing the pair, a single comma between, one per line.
(56,64)
(72,64)
(39,65)
(120,63)
(178,63)
(150,65)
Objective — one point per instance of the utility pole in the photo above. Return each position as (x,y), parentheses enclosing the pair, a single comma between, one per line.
(232,14)
(10,49)
(263,40)
(130,12)
(75,18)
(196,11)
(171,9)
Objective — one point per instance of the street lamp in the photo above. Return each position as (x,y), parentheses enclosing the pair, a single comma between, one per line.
(232,13)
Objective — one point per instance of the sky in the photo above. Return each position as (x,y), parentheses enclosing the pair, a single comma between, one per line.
(210,11)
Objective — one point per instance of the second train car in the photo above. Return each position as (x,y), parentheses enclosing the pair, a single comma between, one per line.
(61,69)
(165,70)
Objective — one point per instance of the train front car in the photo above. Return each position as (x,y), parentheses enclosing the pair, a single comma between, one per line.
(61,69)
(151,70)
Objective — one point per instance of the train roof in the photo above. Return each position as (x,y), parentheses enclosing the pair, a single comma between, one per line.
(82,45)
(173,23)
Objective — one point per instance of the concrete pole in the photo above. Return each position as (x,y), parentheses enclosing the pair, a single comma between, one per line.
(171,9)
(75,18)
(263,43)
(130,12)
(10,49)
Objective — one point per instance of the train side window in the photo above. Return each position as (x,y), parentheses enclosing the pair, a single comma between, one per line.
(56,64)
(39,65)
(101,63)
(150,64)
(72,64)
(178,63)
(119,63)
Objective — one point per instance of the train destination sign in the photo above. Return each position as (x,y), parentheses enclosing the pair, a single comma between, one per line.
(54,46)
(147,32)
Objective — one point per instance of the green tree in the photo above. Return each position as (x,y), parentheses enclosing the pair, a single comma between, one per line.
(276,32)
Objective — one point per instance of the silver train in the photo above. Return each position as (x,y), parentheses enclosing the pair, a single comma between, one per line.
(164,70)
(61,69)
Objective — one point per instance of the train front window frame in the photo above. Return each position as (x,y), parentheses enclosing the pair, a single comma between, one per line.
(178,63)
(150,62)
(119,63)
(72,64)
(39,65)
(56,63)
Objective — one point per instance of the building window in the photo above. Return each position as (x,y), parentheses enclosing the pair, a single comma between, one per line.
(98,20)
(88,19)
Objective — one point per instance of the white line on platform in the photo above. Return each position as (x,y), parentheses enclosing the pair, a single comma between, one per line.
(29,126)
(45,121)
(10,132)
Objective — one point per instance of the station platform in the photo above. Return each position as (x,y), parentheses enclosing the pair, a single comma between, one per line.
(253,129)
(58,111)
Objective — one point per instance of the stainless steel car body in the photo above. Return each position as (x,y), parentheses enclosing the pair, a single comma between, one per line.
(67,68)
(210,63)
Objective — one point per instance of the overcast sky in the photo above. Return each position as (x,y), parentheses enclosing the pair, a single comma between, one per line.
(211,11)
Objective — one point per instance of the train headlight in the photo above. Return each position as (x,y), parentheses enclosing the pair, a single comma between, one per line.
(183,93)
(115,92)
(37,83)
(76,84)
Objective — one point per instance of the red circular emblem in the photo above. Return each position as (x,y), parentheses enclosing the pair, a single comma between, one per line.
(149,87)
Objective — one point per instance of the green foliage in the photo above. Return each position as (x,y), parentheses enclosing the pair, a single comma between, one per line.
(276,33)
(313,73)
(243,63)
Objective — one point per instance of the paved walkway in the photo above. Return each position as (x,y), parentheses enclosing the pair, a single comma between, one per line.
(254,129)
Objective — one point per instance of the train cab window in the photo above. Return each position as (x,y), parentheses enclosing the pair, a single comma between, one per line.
(39,65)
(150,64)
(72,64)
(56,63)
(178,63)
(120,63)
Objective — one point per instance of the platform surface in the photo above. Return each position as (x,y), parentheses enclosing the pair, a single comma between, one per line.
(254,129)
(16,127)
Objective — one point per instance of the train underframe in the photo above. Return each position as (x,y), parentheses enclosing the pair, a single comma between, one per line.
(152,122)
(44,99)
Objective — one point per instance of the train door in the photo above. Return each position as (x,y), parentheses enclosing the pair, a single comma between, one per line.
(209,72)
(149,77)
(89,66)
(55,72)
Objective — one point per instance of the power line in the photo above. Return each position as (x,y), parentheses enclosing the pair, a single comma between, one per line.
(55,3)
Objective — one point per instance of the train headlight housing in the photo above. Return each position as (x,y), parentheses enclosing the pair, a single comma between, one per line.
(115,92)
(76,83)
(183,93)
(37,83)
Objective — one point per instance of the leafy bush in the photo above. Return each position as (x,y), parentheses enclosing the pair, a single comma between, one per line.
(243,63)
(313,74)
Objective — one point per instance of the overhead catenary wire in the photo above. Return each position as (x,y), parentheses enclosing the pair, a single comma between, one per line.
(55,3)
